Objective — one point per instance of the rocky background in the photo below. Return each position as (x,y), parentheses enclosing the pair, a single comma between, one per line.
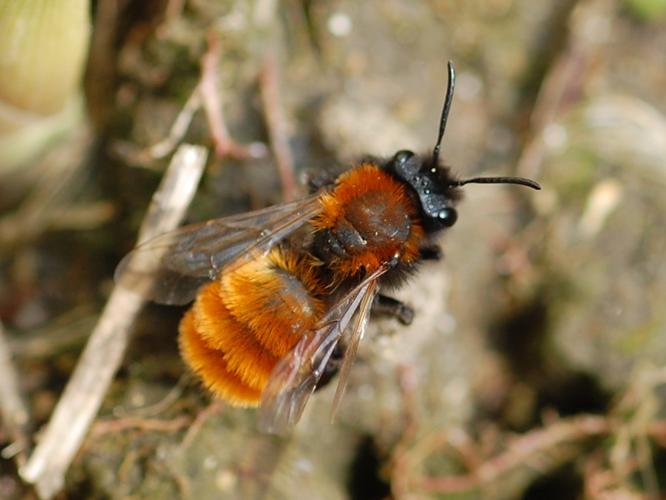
(535,367)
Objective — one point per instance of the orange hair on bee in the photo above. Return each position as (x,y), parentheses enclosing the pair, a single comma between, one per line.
(211,367)
(275,298)
(369,179)
(220,331)
(242,323)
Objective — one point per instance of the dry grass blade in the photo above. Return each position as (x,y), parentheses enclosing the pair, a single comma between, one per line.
(103,353)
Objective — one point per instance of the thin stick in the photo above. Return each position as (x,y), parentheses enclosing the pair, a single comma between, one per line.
(275,122)
(521,451)
(104,352)
(202,417)
(178,128)
(102,427)
(225,145)
(14,412)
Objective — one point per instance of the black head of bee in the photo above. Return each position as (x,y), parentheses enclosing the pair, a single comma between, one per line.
(434,185)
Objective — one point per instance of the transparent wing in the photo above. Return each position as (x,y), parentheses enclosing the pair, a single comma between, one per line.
(296,375)
(170,268)
(356,335)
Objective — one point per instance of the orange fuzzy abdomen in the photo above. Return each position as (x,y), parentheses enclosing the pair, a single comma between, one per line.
(241,324)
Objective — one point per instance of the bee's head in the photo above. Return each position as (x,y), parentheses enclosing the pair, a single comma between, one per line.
(437,190)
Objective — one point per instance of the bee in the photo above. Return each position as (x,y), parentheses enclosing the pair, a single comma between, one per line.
(282,295)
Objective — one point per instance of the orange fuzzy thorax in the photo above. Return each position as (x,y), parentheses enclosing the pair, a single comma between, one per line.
(242,323)
(355,187)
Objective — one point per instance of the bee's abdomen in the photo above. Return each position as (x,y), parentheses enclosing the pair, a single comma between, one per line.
(241,324)
(211,366)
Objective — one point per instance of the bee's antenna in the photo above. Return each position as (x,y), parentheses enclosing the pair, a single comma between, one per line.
(497,180)
(445,113)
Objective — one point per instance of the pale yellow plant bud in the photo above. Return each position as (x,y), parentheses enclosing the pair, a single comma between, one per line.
(43,47)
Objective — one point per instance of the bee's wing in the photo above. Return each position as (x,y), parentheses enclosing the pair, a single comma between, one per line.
(296,375)
(356,334)
(170,268)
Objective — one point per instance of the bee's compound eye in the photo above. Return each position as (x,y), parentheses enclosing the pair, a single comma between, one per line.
(402,157)
(447,216)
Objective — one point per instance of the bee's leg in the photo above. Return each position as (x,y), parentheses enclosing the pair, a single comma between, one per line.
(393,307)
(382,304)
(332,367)
(431,252)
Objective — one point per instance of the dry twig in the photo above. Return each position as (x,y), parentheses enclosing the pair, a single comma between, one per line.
(275,121)
(111,426)
(519,453)
(103,353)
(205,95)
(177,130)
(210,95)
(533,446)
(202,417)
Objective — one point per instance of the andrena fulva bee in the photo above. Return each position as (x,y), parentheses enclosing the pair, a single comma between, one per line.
(282,295)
